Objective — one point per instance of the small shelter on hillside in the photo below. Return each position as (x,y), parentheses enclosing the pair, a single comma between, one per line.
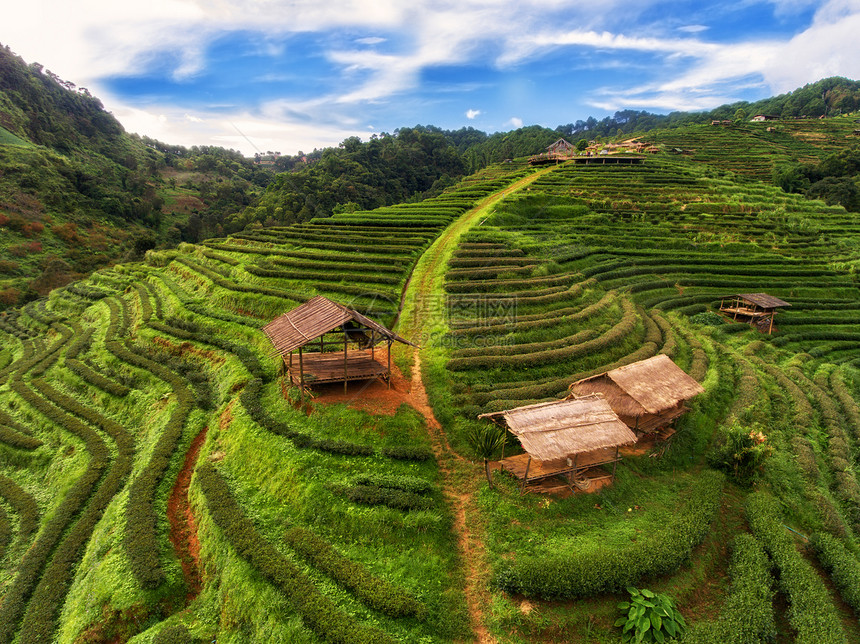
(561,150)
(561,147)
(758,309)
(329,328)
(764,117)
(570,439)
(647,395)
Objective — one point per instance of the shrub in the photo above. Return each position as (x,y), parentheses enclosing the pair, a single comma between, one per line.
(251,402)
(741,451)
(371,590)
(561,576)
(408,453)
(841,565)
(649,617)
(317,612)
(811,613)
(747,615)
(390,497)
(414,484)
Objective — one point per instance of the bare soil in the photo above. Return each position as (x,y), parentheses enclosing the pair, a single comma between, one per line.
(183,525)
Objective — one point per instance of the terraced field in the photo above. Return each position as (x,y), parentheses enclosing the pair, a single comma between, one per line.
(156,485)
(334,530)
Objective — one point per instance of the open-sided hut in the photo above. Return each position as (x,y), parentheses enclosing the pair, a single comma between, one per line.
(647,395)
(563,438)
(758,309)
(328,328)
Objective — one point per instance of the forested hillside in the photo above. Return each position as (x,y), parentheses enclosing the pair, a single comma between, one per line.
(78,193)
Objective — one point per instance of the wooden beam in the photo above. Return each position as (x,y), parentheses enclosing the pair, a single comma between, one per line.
(389,363)
(526,476)
(345,370)
(301,376)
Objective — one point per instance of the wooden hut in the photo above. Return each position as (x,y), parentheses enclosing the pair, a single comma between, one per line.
(328,328)
(570,439)
(758,309)
(647,395)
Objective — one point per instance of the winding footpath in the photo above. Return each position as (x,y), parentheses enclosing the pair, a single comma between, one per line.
(423,319)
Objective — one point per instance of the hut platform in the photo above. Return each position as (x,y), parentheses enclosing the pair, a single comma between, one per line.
(584,467)
(329,367)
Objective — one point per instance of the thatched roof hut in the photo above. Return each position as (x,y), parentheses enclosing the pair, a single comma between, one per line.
(563,437)
(758,309)
(316,321)
(647,395)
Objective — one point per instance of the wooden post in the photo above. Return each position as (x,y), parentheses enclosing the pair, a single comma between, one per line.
(770,330)
(372,337)
(389,363)
(615,463)
(301,376)
(322,346)
(526,476)
(345,370)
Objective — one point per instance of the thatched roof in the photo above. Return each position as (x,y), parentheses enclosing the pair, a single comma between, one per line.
(562,428)
(315,318)
(763,300)
(561,146)
(649,386)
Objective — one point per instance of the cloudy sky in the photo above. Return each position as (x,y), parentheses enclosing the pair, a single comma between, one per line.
(291,75)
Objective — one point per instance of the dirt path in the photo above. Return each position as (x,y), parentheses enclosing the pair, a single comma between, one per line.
(459,476)
(183,526)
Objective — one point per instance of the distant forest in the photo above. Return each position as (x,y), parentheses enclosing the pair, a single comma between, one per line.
(77,192)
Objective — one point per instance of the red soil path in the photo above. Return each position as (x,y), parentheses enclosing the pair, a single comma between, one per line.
(183,526)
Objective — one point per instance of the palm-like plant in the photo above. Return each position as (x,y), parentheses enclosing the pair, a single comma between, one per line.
(487,439)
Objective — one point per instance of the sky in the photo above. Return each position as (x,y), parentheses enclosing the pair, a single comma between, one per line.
(291,75)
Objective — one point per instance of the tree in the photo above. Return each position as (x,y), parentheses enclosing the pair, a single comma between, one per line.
(487,439)
(740,114)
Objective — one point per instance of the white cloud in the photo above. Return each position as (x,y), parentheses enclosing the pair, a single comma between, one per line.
(472,114)
(515,122)
(693,29)
(89,40)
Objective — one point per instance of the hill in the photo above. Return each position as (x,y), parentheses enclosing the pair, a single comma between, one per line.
(78,193)
(160,480)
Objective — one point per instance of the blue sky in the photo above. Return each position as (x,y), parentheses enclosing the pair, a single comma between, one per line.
(298,74)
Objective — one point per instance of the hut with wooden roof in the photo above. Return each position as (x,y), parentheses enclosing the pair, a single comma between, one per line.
(570,439)
(328,329)
(647,395)
(758,309)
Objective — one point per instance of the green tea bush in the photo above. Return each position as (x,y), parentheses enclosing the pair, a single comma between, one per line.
(747,615)
(43,596)
(560,576)
(414,484)
(811,614)
(391,497)
(408,453)
(140,536)
(316,611)
(371,590)
(741,451)
(24,504)
(12,437)
(251,402)
(842,566)
(96,379)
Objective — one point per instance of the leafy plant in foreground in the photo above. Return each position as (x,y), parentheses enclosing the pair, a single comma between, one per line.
(650,617)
